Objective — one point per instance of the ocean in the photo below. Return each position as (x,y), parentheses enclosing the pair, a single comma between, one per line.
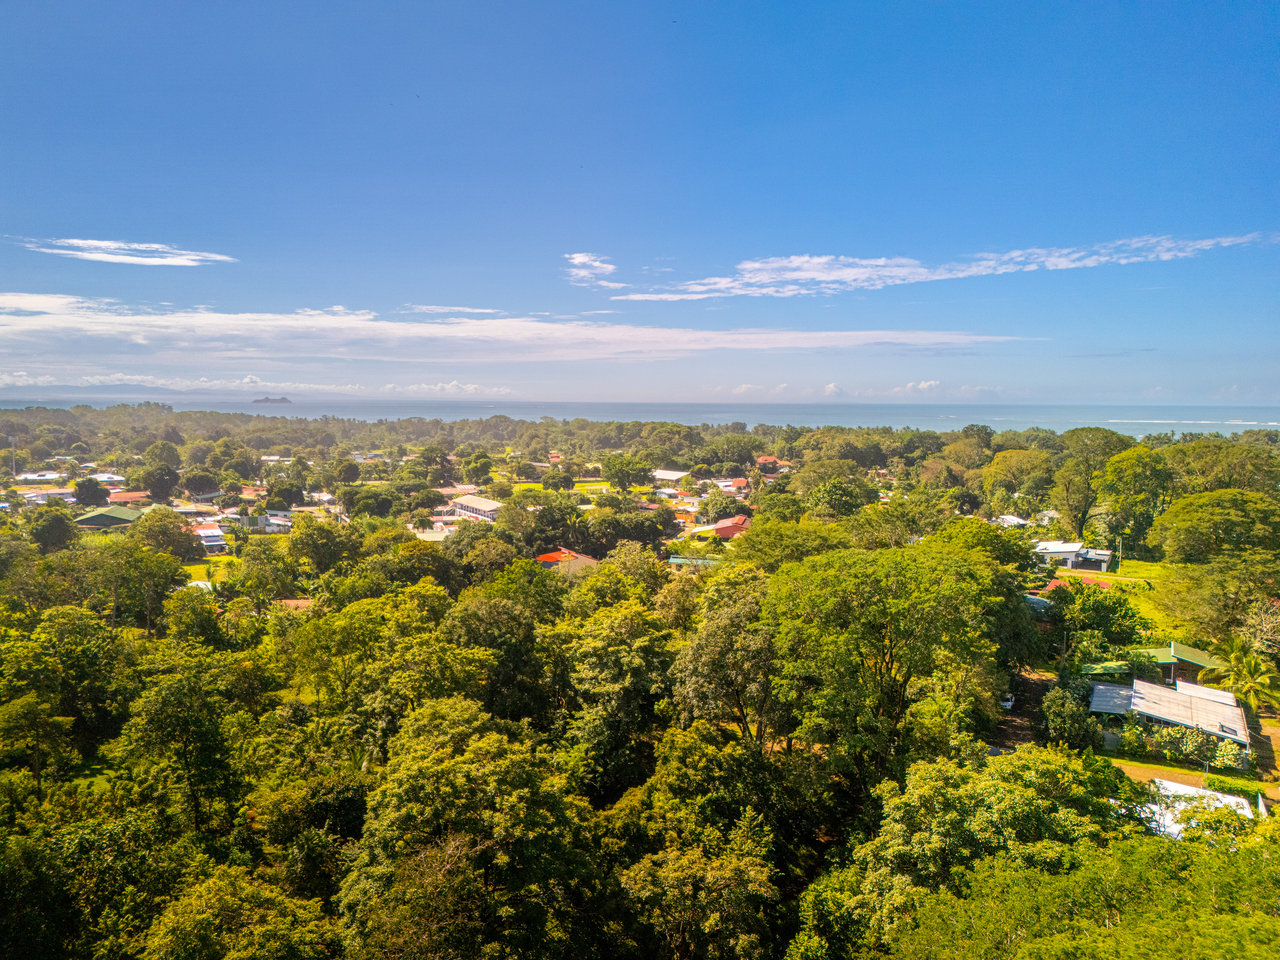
(1132,419)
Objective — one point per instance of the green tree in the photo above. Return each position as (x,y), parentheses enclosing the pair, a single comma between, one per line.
(469,797)
(90,493)
(231,915)
(177,725)
(624,472)
(191,616)
(1216,463)
(28,726)
(51,527)
(1197,528)
(856,630)
(160,481)
(163,452)
(1135,488)
(620,658)
(839,498)
(1250,677)
(321,544)
(708,903)
(1075,491)
(167,531)
(728,671)
(1067,720)
(1024,474)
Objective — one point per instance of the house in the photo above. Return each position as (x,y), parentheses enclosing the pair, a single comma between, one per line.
(459,490)
(44,496)
(434,535)
(104,518)
(734,488)
(1179,662)
(732,527)
(1073,555)
(477,508)
(566,561)
(679,563)
(1215,712)
(43,476)
(211,537)
(1009,520)
(669,476)
(121,497)
(1174,798)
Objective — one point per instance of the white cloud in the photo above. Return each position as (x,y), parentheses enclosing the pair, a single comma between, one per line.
(247,382)
(742,388)
(21,378)
(804,275)
(591,270)
(419,308)
(832,390)
(918,386)
(451,389)
(116,251)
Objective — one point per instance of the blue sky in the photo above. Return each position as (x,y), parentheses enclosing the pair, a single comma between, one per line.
(576,201)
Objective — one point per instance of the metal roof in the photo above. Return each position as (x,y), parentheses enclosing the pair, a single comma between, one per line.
(1163,703)
(1111,698)
(1207,693)
(1154,700)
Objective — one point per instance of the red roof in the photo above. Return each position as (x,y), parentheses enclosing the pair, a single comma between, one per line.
(557,556)
(728,529)
(1067,583)
(128,497)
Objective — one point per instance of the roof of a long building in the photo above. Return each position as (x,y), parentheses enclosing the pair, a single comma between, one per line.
(123,514)
(478,503)
(1187,706)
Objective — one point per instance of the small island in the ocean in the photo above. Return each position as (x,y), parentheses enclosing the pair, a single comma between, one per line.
(273,400)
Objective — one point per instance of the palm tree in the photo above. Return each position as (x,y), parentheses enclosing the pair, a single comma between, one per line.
(1250,677)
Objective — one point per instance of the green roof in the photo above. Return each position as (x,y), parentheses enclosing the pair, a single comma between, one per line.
(1176,651)
(108,517)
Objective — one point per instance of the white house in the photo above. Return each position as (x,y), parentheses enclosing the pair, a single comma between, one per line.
(1073,555)
(477,508)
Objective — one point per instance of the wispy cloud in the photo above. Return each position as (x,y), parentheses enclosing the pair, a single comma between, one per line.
(591,270)
(420,308)
(117,251)
(805,275)
(451,389)
(52,322)
(247,382)
(454,388)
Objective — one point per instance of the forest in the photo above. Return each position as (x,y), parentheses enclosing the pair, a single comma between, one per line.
(348,741)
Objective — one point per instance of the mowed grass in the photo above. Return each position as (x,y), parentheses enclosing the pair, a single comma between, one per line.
(200,570)
(581,486)
(1145,584)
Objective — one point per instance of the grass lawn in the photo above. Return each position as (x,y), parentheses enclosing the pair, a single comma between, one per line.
(200,571)
(1145,772)
(1144,584)
(93,774)
(582,486)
